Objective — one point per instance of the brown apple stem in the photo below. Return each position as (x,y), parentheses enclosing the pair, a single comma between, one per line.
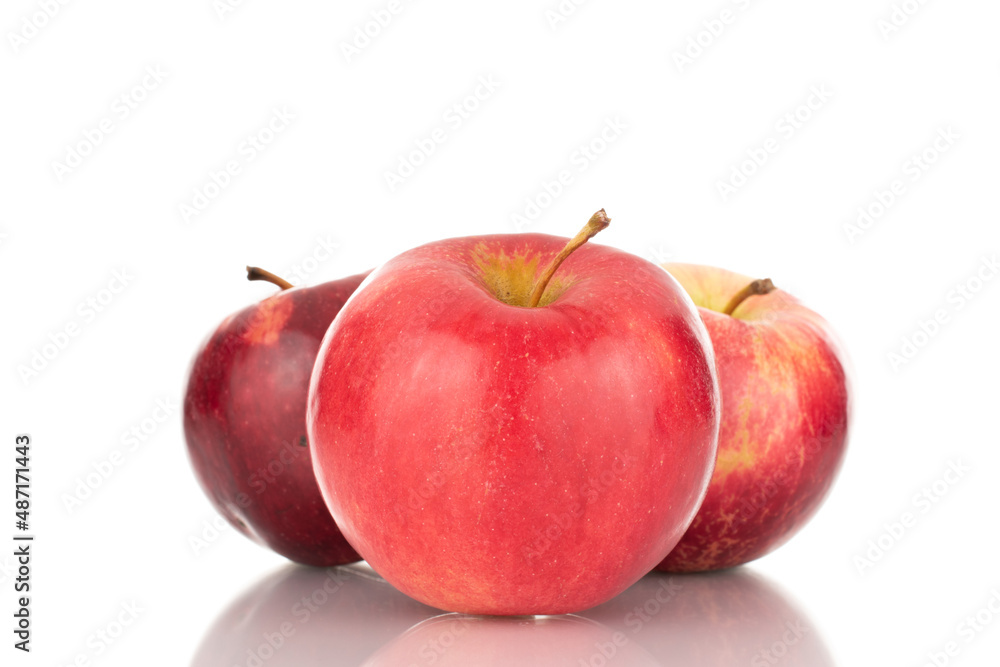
(759,286)
(597,222)
(255,273)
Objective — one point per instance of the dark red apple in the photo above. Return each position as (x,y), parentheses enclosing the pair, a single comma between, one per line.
(785,407)
(245,421)
(495,438)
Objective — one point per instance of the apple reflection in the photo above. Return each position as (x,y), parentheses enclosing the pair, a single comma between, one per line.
(348,616)
(457,640)
(303,616)
(732,617)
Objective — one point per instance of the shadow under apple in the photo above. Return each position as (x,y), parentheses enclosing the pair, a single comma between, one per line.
(459,640)
(303,616)
(348,616)
(724,618)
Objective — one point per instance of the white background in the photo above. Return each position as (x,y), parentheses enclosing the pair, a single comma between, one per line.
(321,181)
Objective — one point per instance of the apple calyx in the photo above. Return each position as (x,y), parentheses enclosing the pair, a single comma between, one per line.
(597,222)
(759,286)
(256,273)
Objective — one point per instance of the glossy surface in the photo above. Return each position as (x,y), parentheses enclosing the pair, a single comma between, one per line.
(717,619)
(785,413)
(348,616)
(489,458)
(459,640)
(309,616)
(244,422)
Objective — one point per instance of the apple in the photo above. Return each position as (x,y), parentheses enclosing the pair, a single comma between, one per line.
(245,420)
(785,413)
(494,437)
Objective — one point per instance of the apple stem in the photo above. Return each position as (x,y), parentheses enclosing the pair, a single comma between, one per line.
(255,273)
(597,222)
(759,286)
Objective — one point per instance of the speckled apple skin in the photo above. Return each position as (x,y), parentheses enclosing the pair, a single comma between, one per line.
(785,414)
(244,422)
(488,458)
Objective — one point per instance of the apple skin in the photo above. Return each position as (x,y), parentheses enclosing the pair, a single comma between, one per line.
(244,422)
(489,458)
(785,414)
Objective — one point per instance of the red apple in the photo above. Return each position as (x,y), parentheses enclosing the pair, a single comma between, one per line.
(487,455)
(785,408)
(245,421)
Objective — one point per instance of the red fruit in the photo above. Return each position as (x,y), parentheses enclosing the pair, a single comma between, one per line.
(785,409)
(491,457)
(244,421)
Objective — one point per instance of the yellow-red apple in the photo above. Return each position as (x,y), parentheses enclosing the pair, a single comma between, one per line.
(785,412)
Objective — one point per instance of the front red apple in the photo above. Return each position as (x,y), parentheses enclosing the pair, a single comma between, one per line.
(493,458)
